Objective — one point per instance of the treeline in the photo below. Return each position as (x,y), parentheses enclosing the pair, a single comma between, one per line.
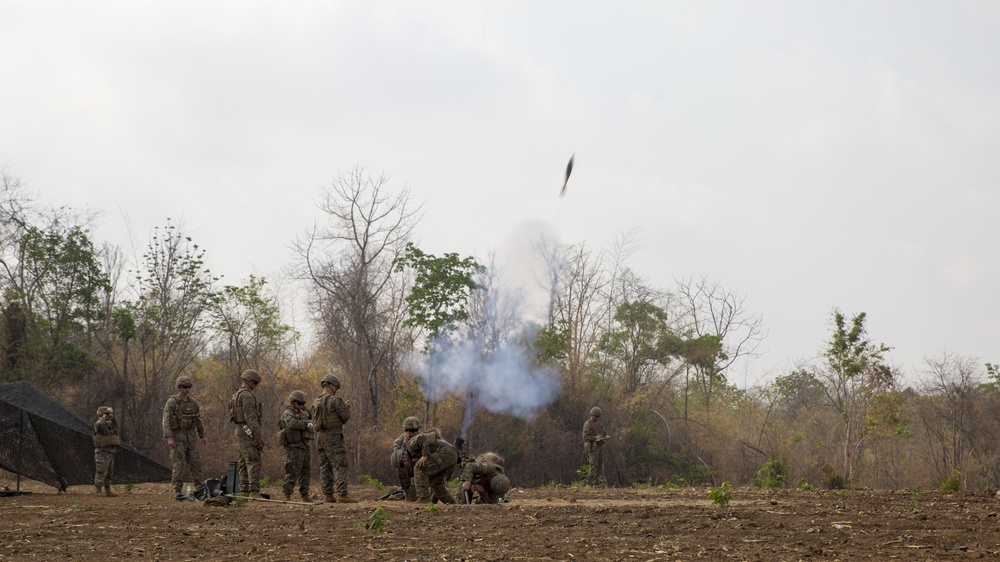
(440,337)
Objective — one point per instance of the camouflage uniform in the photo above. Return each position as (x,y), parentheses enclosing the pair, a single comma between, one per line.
(481,474)
(295,426)
(246,413)
(440,459)
(593,445)
(182,422)
(106,443)
(331,413)
(404,472)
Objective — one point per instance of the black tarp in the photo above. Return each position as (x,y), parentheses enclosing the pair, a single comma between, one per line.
(42,440)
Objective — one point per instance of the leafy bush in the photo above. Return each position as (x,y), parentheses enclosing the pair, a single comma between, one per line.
(377,519)
(952,483)
(370,481)
(771,475)
(720,495)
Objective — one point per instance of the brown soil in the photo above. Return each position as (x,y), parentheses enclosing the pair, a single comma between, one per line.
(537,524)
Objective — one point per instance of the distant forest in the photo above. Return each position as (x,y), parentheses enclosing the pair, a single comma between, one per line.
(439,337)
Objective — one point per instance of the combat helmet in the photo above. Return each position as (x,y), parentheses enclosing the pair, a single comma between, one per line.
(297,396)
(330,379)
(102,410)
(500,484)
(595,411)
(184,380)
(250,375)
(492,458)
(411,423)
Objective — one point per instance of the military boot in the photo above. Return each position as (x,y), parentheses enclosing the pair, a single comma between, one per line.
(288,496)
(329,498)
(346,499)
(98,488)
(109,493)
(410,493)
(305,497)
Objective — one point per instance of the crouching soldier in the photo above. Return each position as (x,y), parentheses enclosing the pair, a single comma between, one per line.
(400,458)
(435,460)
(106,442)
(296,430)
(485,477)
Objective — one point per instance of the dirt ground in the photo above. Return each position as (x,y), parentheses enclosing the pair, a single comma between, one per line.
(537,524)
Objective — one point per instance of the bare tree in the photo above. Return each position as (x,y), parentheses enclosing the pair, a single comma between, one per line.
(951,384)
(349,259)
(713,311)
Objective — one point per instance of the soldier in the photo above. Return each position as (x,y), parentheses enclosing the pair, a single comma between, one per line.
(296,431)
(486,478)
(435,460)
(106,442)
(246,411)
(182,428)
(593,445)
(400,458)
(330,413)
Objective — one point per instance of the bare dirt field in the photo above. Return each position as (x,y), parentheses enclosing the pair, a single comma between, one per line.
(537,524)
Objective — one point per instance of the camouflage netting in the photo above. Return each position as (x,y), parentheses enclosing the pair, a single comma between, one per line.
(42,440)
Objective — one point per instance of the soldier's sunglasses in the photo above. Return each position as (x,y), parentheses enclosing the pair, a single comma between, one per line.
(299,403)
(184,386)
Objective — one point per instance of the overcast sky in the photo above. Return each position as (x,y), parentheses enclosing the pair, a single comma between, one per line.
(808,155)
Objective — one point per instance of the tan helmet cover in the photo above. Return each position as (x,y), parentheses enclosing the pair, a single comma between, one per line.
(297,396)
(595,411)
(102,410)
(500,484)
(330,379)
(184,380)
(411,423)
(250,375)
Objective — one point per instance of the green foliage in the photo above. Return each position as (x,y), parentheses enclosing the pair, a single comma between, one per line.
(377,519)
(265,481)
(582,472)
(440,291)
(248,318)
(553,485)
(370,481)
(433,508)
(952,483)
(720,495)
(804,484)
(690,472)
(552,342)
(913,498)
(771,475)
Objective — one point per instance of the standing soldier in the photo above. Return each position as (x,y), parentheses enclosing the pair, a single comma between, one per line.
(593,445)
(182,427)
(296,431)
(400,458)
(435,460)
(245,411)
(106,442)
(330,413)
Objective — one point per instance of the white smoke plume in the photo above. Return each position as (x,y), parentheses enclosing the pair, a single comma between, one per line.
(486,365)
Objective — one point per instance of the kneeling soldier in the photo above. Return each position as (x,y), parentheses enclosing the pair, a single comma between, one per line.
(400,458)
(435,460)
(486,478)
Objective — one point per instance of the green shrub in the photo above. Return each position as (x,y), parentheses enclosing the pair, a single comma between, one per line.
(370,481)
(952,483)
(771,475)
(720,495)
(377,519)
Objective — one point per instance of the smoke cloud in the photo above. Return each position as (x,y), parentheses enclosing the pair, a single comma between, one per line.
(502,381)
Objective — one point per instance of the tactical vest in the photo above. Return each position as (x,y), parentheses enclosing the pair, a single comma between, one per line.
(324,417)
(289,436)
(186,415)
(236,413)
